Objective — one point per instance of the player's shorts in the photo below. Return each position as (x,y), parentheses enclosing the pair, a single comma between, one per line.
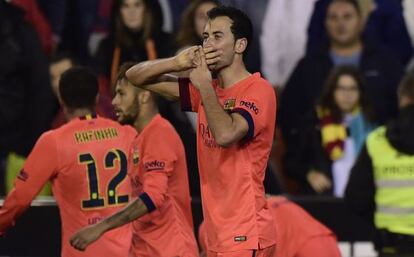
(266,252)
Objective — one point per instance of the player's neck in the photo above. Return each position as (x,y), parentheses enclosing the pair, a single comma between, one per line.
(144,118)
(232,74)
(76,113)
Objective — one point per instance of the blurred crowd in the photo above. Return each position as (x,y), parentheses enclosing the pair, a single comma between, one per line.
(335,67)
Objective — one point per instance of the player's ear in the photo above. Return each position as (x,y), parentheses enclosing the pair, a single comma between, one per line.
(241,45)
(144,97)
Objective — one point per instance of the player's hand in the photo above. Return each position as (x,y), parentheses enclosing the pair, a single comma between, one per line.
(201,75)
(186,58)
(319,181)
(212,55)
(84,237)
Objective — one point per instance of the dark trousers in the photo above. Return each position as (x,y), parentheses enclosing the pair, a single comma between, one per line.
(394,245)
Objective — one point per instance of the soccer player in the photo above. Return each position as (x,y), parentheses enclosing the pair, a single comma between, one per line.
(86,161)
(236,121)
(161,215)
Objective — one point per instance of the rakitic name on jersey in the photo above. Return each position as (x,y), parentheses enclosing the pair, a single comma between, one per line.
(95,135)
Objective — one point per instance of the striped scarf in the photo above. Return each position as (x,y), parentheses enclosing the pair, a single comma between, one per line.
(333,133)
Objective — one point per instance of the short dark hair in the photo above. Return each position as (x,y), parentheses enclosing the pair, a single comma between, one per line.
(406,87)
(327,97)
(123,69)
(78,88)
(354,3)
(242,25)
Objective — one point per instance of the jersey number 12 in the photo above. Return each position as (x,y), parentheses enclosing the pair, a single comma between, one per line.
(95,200)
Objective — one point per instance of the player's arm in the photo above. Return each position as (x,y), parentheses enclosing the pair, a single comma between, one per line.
(154,75)
(84,237)
(144,204)
(39,167)
(227,129)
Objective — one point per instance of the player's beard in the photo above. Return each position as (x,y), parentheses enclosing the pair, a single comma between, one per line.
(131,114)
(128,120)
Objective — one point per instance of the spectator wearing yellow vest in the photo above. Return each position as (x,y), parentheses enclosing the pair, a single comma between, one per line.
(381,185)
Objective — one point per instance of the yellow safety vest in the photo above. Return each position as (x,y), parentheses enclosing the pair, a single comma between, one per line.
(394,179)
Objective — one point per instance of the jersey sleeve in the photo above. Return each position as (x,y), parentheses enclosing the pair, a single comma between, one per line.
(189,96)
(39,167)
(257,105)
(159,159)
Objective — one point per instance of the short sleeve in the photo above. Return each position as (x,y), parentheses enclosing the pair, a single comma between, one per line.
(257,105)
(189,95)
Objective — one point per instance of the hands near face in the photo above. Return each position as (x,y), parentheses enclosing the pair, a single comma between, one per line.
(200,76)
(200,60)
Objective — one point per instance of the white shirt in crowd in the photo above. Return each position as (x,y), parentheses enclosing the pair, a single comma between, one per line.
(284,37)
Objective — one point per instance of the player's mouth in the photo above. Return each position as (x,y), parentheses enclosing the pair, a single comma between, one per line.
(118,113)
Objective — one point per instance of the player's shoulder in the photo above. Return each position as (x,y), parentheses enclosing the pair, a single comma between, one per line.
(161,130)
(49,135)
(259,85)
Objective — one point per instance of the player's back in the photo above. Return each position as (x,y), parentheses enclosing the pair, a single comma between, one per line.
(91,181)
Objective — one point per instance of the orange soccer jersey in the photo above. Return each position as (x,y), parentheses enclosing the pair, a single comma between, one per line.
(160,179)
(86,161)
(234,205)
(298,233)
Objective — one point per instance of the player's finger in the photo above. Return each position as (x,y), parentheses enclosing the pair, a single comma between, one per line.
(203,59)
(208,49)
(73,241)
(212,55)
(212,61)
(197,57)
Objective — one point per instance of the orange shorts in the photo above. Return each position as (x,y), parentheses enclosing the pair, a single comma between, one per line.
(266,252)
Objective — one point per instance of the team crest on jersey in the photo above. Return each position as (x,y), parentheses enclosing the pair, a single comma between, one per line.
(135,157)
(229,104)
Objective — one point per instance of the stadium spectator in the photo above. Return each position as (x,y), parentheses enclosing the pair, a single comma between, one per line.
(136,36)
(283,39)
(408,11)
(86,161)
(382,181)
(332,135)
(383,24)
(380,70)
(58,65)
(26,99)
(36,17)
(192,24)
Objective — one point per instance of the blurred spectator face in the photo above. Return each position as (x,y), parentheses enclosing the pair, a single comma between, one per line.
(218,36)
(56,69)
(132,14)
(343,23)
(125,102)
(346,93)
(200,17)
